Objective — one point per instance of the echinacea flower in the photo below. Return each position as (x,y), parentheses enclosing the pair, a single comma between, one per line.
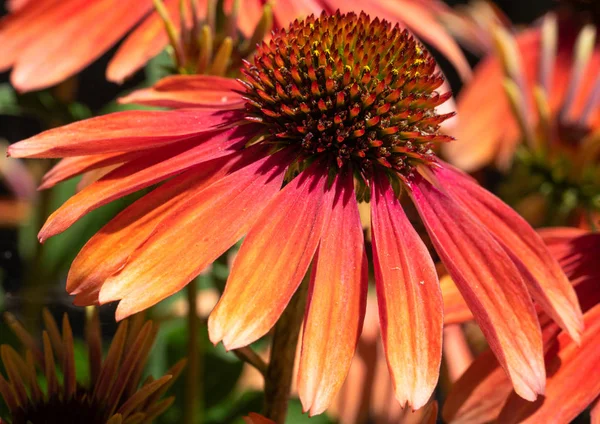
(36,38)
(537,89)
(112,395)
(483,393)
(333,111)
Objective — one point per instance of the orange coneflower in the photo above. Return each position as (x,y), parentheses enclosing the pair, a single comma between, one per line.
(333,110)
(36,39)
(112,394)
(545,92)
(483,393)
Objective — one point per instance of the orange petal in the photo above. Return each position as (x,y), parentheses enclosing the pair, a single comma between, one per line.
(490,284)
(547,283)
(409,299)
(109,249)
(479,394)
(191,237)
(95,25)
(573,379)
(141,173)
(286,11)
(182,91)
(121,132)
(336,303)
(456,310)
(272,260)
(254,418)
(145,42)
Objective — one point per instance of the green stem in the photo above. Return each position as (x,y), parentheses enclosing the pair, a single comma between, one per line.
(278,379)
(194,397)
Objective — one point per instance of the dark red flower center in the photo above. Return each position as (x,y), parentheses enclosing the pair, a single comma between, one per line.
(359,91)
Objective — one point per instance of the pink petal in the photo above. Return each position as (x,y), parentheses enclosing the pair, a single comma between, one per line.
(336,303)
(490,284)
(272,260)
(409,298)
(183,91)
(141,173)
(122,132)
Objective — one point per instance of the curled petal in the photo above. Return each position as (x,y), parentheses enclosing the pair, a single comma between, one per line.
(409,298)
(490,284)
(336,303)
(122,132)
(272,260)
(544,277)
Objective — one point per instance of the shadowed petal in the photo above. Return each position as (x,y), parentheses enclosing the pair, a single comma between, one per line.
(573,379)
(191,237)
(544,277)
(110,248)
(272,260)
(141,173)
(336,303)
(122,132)
(490,284)
(409,298)
(181,91)
(104,22)
(456,310)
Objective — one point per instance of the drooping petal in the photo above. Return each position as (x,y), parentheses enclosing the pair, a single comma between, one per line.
(102,22)
(272,260)
(109,249)
(336,303)
(191,237)
(409,298)
(286,11)
(490,284)
(181,91)
(122,132)
(76,165)
(142,173)
(544,277)
(573,379)
(145,42)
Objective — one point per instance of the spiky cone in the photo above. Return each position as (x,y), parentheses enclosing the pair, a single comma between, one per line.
(545,89)
(36,38)
(113,394)
(332,111)
(484,394)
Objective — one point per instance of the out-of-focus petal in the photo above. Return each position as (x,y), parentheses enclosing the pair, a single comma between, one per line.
(336,303)
(478,396)
(109,249)
(254,418)
(183,91)
(490,284)
(141,173)
(63,52)
(122,132)
(273,260)
(544,277)
(192,236)
(409,298)
(456,310)
(573,379)
(144,42)
(286,11)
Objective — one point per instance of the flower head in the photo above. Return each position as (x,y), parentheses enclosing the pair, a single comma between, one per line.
(312,129)
(113,393)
